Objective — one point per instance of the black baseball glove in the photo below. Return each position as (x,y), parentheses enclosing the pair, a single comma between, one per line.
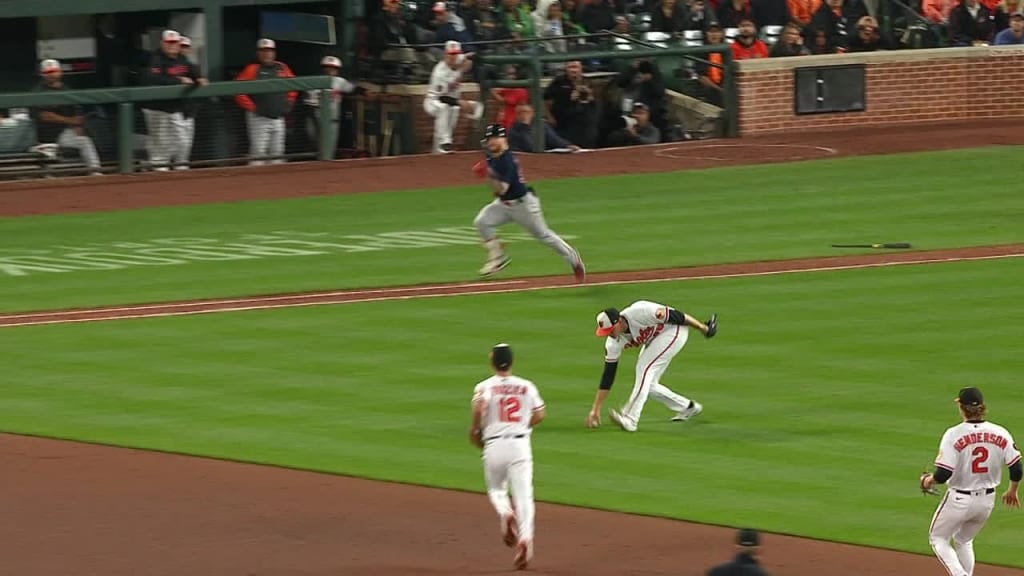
(712,326)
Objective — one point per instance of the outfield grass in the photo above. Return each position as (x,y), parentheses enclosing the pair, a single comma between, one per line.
(626,222)
(825,394)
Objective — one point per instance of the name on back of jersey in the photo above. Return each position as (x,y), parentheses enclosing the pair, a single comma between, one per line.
(509,390)
(980,438)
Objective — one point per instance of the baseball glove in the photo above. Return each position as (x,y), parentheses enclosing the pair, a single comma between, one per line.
(712,324)
(930,490)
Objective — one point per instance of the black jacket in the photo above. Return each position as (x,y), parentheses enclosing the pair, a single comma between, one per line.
(166,71)
(597,16)
(965,29)
(742,565)
(676,22)
(387,29)
(770,12)
(837,29)
(782,49)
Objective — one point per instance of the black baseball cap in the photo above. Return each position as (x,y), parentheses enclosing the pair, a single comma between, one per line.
(970,397)
(501,356)
(713,25)
(748,537)
(494,131)
(606,320)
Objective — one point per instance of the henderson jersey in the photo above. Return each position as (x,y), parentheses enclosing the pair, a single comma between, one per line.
(445,82)
(646,320)
(505,168)
(510,403)
(976,454)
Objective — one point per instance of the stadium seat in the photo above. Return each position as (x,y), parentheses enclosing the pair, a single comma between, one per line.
(693,38)
(730,34)
(770,34)
(659,39)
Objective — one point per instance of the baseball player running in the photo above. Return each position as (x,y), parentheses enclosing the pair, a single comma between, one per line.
(971,458)
(514,200)
(506,408)
(264,113)
(660,332)
(443,100)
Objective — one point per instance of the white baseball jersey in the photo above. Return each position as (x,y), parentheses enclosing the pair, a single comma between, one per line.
(445,82)
(646,320)
(976,453)
(510,403)
(339,86)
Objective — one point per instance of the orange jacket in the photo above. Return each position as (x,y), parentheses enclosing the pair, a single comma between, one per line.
(802,10)
(270,105)
(756,50)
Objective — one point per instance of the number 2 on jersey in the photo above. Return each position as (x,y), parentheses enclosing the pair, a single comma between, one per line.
(980,454)
(508,409)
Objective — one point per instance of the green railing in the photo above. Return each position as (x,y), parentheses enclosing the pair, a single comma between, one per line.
(128,98)
(534,64)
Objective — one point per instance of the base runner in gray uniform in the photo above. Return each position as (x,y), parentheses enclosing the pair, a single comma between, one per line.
(515,201)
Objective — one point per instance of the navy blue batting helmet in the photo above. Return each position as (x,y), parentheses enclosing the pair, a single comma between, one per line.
(494,131)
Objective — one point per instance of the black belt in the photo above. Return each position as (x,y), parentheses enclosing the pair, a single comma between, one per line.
(505,436)
(969,492)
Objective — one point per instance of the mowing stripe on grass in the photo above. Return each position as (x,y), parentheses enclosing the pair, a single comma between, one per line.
(474,288)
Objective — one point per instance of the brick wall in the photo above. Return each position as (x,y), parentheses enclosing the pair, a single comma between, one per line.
(902,86)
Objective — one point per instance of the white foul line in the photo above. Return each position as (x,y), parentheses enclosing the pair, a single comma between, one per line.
(228,308)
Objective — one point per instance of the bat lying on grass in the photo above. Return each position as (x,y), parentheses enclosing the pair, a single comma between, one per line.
(886,245)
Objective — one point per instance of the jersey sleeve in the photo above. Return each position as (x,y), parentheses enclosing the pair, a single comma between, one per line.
(613,349)
(480,394)
(538,402)
(1012,452)
(646,313)
(946,458)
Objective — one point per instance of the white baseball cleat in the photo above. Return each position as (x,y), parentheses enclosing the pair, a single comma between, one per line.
(509,530)
(494,266)
(621,420)
(690,412)
(523,555)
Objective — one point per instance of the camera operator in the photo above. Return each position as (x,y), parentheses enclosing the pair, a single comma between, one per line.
(571,107)
(636,129)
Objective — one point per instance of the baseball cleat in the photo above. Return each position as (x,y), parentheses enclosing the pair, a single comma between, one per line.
(509,531)
(580,272)
(447,148)
(688,413)
(523,555)
(494,266)
(619,419)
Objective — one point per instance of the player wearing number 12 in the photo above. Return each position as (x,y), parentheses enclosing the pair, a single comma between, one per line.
(971,458)
(505,410)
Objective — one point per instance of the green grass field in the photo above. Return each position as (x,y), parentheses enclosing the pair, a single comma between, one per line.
(825,393)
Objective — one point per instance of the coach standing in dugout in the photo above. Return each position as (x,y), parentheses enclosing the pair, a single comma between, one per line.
(183,153)
(264,113)
(165,120)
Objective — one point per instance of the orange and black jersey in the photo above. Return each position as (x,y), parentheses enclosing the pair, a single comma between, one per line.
(266,105)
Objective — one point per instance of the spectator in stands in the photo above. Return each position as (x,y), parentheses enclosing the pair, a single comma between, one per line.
(571,107)
(642,83)
(637,129)
(329,66)
(391,28)
(165,120)
(448,26)
(698,15)
(747,45)
(547,23)
(837,18)
(484,22)
(63,125)
(801,11)
(509,98)
(265,113)
(669,16)
(745,562)
(517,19)
(790,44)
(1002,14)
(597,15)
(771,13)
(1014,34)
(937,11)
(189,108)
(710,74)
(868,37)
(621,26)
(520,135)
(970,23)
(819,42)
(730,12)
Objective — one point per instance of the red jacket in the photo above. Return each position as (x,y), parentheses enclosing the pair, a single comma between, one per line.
(756,50)
(511,97)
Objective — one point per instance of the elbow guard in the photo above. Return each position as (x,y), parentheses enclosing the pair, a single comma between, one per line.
(941,475)
(1017,471)
(676,317)
(609,375)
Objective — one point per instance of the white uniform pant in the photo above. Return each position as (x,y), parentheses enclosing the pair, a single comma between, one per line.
(167,135)
(69,138)
(654,359)
(526,212)
(183,154)
(445,119)
(508,463)
(266,138)
(959,518)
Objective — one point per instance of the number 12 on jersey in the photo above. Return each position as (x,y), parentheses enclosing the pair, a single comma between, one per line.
(508,409)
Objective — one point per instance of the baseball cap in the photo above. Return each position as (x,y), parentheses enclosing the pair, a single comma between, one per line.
(1017,16)
(440,7)
(501,356)
(494,131)
(606,320)
(748,537)
(266,44)
(186,41)
(452,47)
(970,397)
(171,36)
(713,25)
(640,105)
(49,65)
(331,61)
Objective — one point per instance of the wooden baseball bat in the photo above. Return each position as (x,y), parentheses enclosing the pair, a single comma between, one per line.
(891,245)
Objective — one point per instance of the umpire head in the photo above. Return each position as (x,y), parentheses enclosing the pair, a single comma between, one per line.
(748,541)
